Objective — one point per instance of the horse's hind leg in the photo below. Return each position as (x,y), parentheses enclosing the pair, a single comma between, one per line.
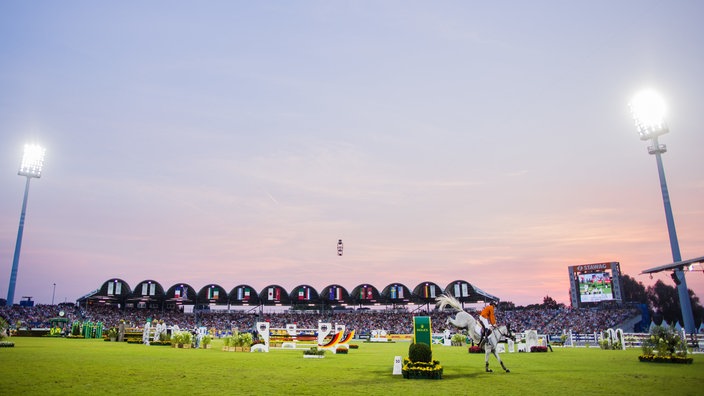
(486,363)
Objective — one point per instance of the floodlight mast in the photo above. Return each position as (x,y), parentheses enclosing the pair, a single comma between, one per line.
(648,111)
(31,167)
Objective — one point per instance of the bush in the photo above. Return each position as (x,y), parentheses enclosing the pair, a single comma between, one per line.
(3,327)
(476,349)
(420,353)
(664,345)
(537,348)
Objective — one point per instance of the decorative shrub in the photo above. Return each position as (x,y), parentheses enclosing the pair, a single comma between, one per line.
(536,348)
(6,344)
(314,351)
(476,349)
(665,359)
(421,370)
(664,345)
(342,351)
(419,352)
(76,328)
(3,327)
(420,364)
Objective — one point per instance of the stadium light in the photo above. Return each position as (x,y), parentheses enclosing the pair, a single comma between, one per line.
(648,110)
(31,167)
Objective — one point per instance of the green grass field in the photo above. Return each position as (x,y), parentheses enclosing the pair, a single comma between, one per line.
(45,366)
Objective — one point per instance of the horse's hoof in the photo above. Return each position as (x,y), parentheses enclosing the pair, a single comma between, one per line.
(508,371)
(489,370)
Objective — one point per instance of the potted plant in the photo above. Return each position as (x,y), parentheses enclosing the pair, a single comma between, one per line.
(112,334)
(187,338)
(206,340)
(314,353)
(176,339)
(245,340)
(457,339)
(4,329)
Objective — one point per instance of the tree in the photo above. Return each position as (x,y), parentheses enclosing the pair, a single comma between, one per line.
(506,306)
(697,309)
(633,291)
(664,299)
(550,303)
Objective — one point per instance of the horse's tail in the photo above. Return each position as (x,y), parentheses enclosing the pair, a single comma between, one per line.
(446,299)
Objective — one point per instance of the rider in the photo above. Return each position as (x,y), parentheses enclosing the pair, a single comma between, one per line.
(488,320)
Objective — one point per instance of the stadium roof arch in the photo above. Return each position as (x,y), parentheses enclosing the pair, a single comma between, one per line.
(212,294)
(111,292)
(274,295)
(304,294)
(244,295)
(465,292)
(365,294)
(396,294)
(149,292)
(181,293)
(335,295)
(426,292)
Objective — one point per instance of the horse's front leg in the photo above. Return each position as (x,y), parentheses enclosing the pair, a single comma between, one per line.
(496,353)
(486,361)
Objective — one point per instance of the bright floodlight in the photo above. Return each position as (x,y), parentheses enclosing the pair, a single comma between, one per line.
(32,161)
(648,111)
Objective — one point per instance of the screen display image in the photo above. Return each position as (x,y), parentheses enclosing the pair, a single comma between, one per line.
(595,286)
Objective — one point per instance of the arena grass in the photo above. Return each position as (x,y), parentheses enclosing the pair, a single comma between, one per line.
(49,366)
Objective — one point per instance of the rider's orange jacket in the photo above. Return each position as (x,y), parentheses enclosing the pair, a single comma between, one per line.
(488,313)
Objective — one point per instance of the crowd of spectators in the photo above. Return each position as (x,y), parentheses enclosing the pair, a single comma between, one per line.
(545,321)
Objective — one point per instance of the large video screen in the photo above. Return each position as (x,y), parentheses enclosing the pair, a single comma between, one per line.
(594,282)
(595,287)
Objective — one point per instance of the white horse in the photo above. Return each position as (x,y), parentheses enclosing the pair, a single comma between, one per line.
(464,320)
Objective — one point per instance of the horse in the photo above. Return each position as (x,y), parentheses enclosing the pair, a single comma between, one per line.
(464,320)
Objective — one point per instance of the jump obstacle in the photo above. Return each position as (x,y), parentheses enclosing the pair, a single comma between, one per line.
(292,332)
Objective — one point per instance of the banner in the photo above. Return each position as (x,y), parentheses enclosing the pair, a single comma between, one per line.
(422,333)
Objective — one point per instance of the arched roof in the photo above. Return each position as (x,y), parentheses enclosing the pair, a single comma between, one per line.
(244,295)
(148,290)
(117,291)
(181,293)
(335,295)
(213,294)
(396,293)
(274,295)
(365,294)
(464,291)
(426,292)
(112,291)
(304,294)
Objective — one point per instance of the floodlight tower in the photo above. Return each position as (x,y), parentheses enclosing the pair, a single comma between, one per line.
(32,163)
(648,110)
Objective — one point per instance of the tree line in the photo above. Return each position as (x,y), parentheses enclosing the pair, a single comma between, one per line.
(662,301)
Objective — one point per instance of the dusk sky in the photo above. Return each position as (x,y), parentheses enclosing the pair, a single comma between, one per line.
(234,142)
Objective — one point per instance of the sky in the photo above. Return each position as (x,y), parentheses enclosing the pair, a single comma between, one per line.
(234,142)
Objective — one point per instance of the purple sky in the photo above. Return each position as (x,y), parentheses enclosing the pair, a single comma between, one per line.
(235,142)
